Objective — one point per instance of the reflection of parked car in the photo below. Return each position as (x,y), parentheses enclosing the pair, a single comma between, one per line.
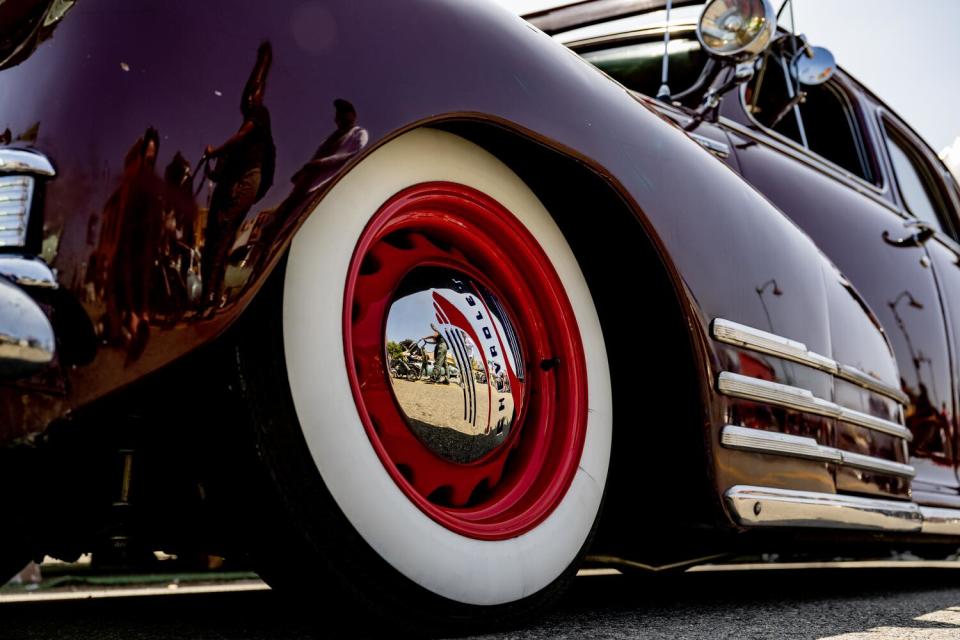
(752,391)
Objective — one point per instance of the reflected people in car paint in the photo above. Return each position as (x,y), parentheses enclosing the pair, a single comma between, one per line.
(137,273)
(120,265)
(178,284)
(244,171)
(347,140)
(181,274)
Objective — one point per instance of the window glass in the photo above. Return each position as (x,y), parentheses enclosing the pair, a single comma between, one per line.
(638,65)
(767,94)
(830,125)
(917,192)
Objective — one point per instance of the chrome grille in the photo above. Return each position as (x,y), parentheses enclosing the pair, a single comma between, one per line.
(16,196)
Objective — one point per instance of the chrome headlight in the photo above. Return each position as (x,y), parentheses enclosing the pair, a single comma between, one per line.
(738,29)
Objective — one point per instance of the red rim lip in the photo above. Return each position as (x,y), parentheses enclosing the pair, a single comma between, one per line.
(537,463)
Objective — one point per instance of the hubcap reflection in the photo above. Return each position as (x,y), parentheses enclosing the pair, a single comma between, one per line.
(455,366)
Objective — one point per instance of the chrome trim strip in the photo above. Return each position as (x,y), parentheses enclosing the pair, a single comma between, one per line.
(15,182)
(874,423)
(879,465)
(718,149)
(16,201)
(940,521)
(865,380)
(16,197)
(11,239)
(740,386)
(759,441)
(783,444)
(768,507)
(24,161)
(741,335)
(28,272)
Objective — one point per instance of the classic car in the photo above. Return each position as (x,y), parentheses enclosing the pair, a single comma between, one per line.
(722,314)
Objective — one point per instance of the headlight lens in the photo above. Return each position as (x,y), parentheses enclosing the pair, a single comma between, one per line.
(736,28)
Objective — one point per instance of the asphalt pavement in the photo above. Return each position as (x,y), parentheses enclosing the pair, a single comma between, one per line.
(835,604)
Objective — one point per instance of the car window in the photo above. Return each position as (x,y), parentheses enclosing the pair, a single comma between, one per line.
(637,64)
(919,193)
(829,127)
(825,122)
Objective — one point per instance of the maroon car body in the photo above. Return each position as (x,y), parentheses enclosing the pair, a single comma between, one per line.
(685,254)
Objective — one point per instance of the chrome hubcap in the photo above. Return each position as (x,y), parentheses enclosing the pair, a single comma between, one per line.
(455,363)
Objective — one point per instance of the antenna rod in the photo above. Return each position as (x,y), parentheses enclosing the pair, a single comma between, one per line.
(664,92)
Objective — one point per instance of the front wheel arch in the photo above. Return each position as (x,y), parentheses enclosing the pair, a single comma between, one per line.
(520,573)
(656,350)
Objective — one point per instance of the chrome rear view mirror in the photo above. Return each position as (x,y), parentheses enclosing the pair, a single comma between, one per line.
(814,65)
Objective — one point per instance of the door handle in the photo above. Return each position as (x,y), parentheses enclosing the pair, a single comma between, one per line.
(924,232)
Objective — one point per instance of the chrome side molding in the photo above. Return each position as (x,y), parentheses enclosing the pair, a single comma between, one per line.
(746,337)
(865,380)
(748,388)
(759,441)
(25,161)
(878,465)
(27,343)
(757,390)
(770,507)
(741,335)
(783,444)
(874,423)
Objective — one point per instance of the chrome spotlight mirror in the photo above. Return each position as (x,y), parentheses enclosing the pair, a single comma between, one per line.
(736,29)
(814,65)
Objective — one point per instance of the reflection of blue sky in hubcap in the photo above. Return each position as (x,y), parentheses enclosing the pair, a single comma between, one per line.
(410,315)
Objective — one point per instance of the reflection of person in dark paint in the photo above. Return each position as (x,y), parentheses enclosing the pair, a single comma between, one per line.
(333,153)
(124,256)
(439,355)
(331,156)
(244,173)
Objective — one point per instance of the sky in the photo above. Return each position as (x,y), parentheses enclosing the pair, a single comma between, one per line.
(909,60)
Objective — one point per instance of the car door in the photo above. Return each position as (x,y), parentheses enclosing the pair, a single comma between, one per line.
(819,166)
(926,192)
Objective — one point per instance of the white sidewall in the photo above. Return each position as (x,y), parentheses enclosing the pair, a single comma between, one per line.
(453,566)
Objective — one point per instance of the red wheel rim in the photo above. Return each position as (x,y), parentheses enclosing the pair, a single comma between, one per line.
(511,489)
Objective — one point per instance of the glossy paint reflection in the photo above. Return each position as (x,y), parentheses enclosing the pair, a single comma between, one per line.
(87,94)
(849,226)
